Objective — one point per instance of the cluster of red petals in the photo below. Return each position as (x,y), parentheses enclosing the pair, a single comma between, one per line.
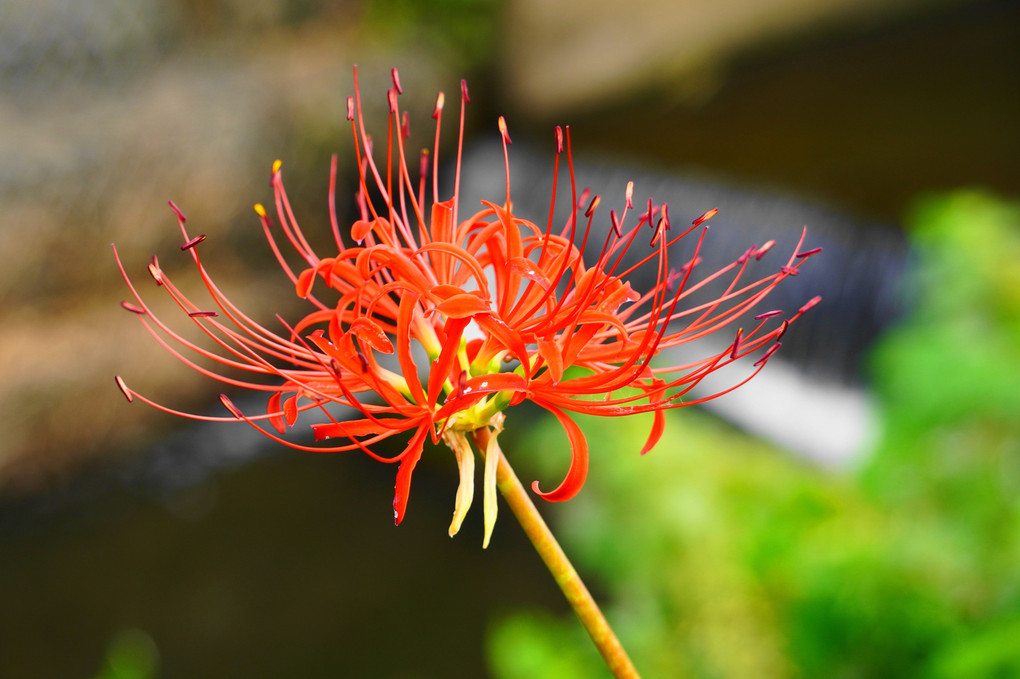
(425,319)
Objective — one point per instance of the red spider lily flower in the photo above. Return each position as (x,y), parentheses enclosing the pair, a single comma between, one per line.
(428,325)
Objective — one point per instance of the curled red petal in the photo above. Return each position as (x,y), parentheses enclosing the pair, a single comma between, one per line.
(274,407)
(508,337)
(355,428)
(578,471)
(409,458)
(306,278)
(290,410)
(658,426)
(550,351)
(369,330)
(360,229)
(405,314)
(527,268)
(442,366)
(463,305)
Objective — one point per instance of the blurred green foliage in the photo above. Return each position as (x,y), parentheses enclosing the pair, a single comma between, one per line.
(131,655)
(723,558)
(464,31)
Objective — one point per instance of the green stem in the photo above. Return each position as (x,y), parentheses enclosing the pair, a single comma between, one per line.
(558,564)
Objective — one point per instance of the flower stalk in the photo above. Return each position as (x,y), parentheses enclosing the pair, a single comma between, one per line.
(555,559)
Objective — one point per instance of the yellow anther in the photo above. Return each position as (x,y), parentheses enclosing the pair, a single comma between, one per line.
(276,166)
(259,210)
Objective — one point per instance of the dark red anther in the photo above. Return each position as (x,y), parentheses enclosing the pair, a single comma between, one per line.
(690,265)
(630,195)
(811,303)
(350,108)
(423,167)
(650,213)
(229,405)
(177,211)
(665,216)
(808,253)
(763,249)
(736,344)
(203,314)
(123,388)
(391,98)
(584,197)
(363,360)
(782,329)
(705,217)
(464,92)
(396,80)
(559,139)
(155,271)
(615,221)
(503,131)
(768,314)
(193,242)
(768,354)
(788,270)
(334,367)
(659,229)
(592,206)
(461,382)
(405,125)
(747,255)
(132,308)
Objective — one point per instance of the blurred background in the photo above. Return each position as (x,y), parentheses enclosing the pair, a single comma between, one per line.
(856,515)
